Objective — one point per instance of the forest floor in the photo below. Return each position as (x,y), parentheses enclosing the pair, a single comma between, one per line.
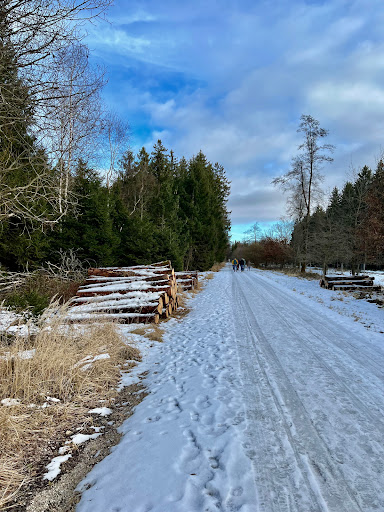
(268,396)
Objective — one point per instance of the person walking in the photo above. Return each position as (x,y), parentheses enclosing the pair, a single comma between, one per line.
(249,265)
(235,264)
(242,264)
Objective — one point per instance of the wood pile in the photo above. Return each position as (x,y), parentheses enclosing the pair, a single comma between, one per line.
(347,283)
(139,294)
(187,280)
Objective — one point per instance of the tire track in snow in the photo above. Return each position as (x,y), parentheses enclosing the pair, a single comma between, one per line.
(355,437)
(288,433)
(358,394)
(352,348)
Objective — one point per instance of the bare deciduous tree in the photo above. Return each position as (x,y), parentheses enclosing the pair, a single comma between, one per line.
(253,232)
(44,80)
(116,132)
(73,120)
(302,182)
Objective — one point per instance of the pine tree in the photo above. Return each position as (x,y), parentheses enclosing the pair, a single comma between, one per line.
(372,230)
(91,231)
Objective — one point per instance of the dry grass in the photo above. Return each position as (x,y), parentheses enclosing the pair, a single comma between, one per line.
(151,331)
(218,266)
(294,272)
(199,286)
(209,276)
(62,367)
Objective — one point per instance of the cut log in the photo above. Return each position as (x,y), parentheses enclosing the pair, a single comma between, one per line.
(343,278)
(347,287)
(187,284)
(99,307)
(193,274)
(131,272)
(91,292)
(121,318)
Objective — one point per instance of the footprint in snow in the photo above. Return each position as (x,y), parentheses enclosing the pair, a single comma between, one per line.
(152,419)
(194,416)
(202,401)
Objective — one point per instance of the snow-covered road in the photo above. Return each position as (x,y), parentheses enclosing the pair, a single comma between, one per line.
(260,401)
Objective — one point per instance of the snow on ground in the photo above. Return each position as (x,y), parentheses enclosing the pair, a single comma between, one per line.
(377,274)
(15,323)
(267,397)
(343,303)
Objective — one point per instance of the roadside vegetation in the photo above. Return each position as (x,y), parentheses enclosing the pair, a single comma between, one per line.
(48,383)
(344,230)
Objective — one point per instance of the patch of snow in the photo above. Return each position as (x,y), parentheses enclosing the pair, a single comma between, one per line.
(102,411)
(54,467)
(10,402)
(83,438)
(87,362)
(25,354)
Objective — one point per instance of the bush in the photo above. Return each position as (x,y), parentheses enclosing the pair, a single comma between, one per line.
(27,300)
(36,292)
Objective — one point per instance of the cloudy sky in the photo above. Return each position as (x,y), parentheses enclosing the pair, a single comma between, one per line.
(232,78)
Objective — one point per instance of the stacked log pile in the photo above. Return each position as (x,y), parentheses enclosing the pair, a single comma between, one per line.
(187,280)
(347,283)
(139,294)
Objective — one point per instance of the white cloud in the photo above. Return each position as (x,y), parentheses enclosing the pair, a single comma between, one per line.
(259,65)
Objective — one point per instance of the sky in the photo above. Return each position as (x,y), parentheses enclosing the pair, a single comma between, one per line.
(232,78)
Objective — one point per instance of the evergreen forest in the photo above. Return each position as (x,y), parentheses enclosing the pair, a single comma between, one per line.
(68,179)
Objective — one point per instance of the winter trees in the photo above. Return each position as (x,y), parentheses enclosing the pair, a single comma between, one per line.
(253,233)
(303,180)
(349,231)
(43,80)
(371,231)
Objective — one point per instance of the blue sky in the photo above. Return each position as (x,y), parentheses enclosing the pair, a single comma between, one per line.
(232,78)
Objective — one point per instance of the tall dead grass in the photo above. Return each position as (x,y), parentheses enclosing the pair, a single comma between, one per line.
(295,272)
(56,376)
(218,266)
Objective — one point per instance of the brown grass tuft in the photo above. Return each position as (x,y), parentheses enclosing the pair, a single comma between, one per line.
(294,272)
(218,266)
(151,331)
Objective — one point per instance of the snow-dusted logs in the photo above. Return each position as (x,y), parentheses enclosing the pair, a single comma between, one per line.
(139,294)
(187,280)
(361,282)
(163,269)
(121,318)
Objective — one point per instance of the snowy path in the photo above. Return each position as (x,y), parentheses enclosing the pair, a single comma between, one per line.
(259,402)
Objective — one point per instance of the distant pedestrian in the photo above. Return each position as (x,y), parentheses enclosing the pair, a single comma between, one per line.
(248,265)
(242,264)
(235,264)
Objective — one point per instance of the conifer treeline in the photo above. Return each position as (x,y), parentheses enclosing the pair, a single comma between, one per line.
(157,208)
(350,230)
(348,233)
